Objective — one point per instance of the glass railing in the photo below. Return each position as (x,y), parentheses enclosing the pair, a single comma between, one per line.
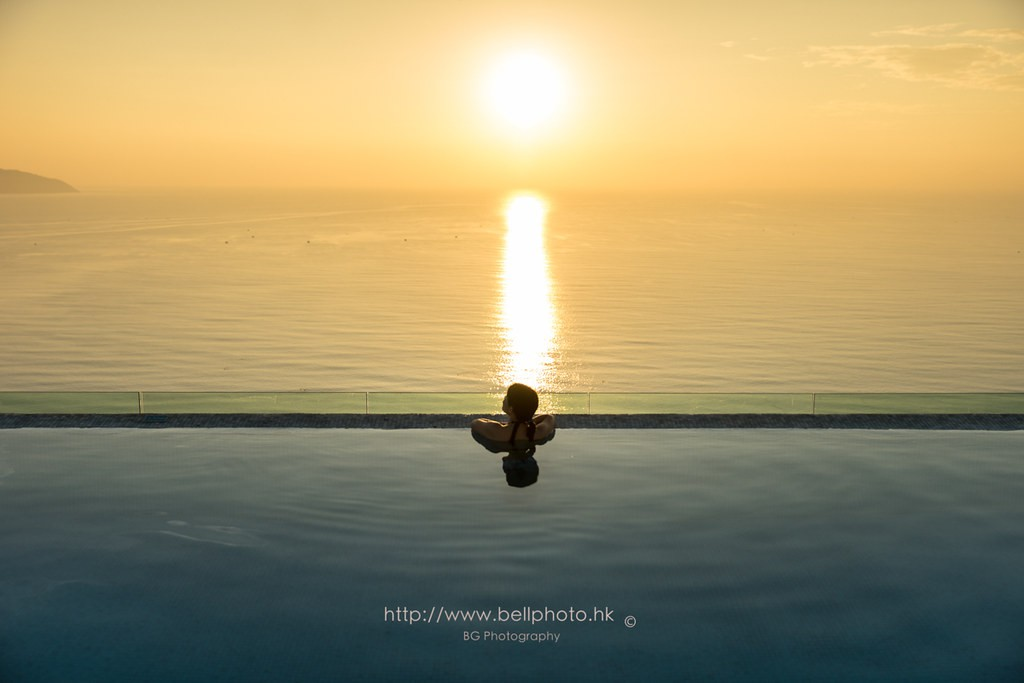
(592,403)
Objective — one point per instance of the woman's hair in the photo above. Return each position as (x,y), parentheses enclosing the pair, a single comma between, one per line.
(522,400)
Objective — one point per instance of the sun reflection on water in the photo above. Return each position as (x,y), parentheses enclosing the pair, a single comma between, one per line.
(527,313)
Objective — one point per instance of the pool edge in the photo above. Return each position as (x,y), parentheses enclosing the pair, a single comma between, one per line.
(958,421)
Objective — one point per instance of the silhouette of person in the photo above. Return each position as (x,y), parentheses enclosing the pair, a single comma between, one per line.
(520,404)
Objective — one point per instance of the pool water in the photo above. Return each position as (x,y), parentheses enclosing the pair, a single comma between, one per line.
(302,555)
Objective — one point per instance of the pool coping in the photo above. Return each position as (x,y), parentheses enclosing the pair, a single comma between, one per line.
(958,421)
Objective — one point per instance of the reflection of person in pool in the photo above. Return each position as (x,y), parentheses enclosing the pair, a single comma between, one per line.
(520,404)
(521,469)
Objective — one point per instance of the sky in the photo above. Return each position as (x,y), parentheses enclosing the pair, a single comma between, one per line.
(655,95)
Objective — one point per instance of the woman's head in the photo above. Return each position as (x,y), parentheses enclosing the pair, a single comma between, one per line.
(521,401)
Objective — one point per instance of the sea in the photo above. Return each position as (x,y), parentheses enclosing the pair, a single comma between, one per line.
(288,290)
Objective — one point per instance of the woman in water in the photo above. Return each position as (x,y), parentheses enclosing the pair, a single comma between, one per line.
(525,428)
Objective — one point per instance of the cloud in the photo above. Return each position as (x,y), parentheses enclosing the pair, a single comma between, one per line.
(960,64)
(995,34)
(729,44)
(999,35)
(932,30)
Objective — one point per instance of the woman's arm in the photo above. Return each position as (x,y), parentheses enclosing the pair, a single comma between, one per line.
(547,420)
(486,428)
(545,426)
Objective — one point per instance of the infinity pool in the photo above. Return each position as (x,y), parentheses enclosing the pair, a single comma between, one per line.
(334,555)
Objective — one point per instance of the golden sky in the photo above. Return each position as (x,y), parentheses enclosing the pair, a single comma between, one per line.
(691,95)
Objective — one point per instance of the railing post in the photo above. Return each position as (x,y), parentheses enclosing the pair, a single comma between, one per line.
(142,409)
(814,404)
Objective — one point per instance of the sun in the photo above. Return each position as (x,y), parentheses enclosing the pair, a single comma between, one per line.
(526,90)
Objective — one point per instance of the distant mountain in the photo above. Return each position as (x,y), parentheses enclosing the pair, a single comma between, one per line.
(19,182)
